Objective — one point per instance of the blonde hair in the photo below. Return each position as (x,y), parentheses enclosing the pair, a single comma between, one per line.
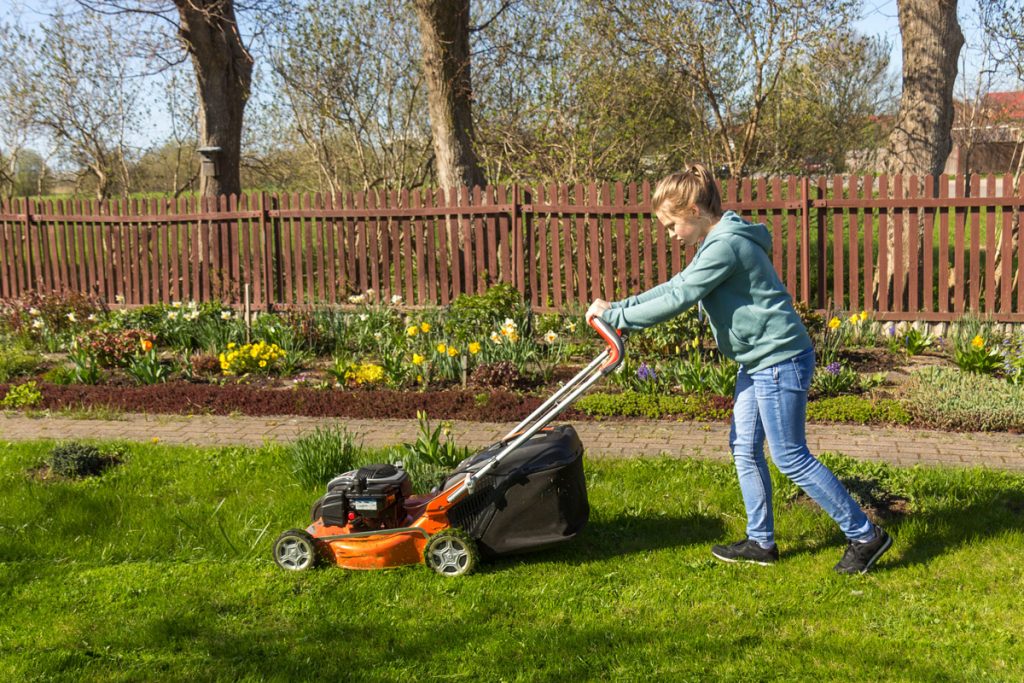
(694,186)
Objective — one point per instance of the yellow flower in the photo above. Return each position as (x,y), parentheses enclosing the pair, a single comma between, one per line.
(452,351)
(854,319)
(417,359)
(263,363)
(155,439)
(425,327)
(474,347)
(695,343)
(419,378)
(231,345)
(978,342)
(412,331)
(441,348)
(863,316)
(495,338)
(147,345)
(834,323)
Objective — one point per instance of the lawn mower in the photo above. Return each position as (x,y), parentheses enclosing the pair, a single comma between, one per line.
(524,492)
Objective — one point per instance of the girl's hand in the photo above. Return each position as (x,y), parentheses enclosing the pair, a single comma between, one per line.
(597,308)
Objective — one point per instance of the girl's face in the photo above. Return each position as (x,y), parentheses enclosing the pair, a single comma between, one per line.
(689,227)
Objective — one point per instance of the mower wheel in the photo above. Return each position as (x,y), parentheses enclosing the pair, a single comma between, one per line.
(451,552)
(295,550)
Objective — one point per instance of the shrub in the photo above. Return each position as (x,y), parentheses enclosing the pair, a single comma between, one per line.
(950,399)
(15,363)
(321,455)
(261,358)
(859,410)
(470,313)
(835,379)
(500,375)
(633,404)
(116,348)
(19,396)
(75,459)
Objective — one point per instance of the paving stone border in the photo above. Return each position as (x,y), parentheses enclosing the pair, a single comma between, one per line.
(613,438)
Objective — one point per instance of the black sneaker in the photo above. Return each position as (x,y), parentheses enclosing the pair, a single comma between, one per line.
(859,557)
(746,550)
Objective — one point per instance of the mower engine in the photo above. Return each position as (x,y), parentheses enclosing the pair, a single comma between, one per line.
(372,497)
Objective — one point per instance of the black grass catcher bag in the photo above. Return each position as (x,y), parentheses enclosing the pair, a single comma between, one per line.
(534,498)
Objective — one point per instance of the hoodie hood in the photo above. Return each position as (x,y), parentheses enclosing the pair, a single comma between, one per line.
(733,224)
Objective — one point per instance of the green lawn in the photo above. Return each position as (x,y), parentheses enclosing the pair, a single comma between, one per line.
(160,570)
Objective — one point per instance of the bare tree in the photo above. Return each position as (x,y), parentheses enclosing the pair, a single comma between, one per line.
(70,81)
(350,83)
(727,57)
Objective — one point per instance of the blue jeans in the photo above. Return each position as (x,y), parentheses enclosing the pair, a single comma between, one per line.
(772,403)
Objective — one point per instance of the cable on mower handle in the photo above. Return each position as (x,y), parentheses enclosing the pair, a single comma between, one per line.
(607,361)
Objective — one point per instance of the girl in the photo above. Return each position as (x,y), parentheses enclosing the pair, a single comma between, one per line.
(754,323)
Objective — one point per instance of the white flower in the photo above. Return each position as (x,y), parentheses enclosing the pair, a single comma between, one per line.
(509,322)
(370,292)
(119,298)
(92,318)
(175,304)
(38,324)
(225,315)
(496,338)
(396,300)
(377,335)
(172,315)
(33,311)
(357,299)
(72,317)
(193,305)
(550,337)
(193,315)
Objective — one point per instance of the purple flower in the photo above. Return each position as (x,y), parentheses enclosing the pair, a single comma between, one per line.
(832,368)
(891,330)
(646,373)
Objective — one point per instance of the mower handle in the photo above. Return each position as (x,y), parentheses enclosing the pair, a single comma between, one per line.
(605,362)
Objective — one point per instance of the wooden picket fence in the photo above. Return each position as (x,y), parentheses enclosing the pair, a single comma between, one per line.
(954,248)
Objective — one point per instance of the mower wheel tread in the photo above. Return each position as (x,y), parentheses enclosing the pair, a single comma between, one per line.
(451,552)
(295,550)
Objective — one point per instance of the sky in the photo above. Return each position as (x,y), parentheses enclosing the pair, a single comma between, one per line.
(879,18)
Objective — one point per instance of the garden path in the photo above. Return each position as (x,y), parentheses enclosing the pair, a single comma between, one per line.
(626,438)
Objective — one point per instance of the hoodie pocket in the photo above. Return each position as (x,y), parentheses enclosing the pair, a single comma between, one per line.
(754,330)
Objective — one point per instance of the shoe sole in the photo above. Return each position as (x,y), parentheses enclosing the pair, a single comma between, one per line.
(878,554)
(741,560)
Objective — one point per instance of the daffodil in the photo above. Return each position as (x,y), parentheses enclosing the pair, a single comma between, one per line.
(452,351)
(551,337)
(474,347)
(424,327)
(417,359)
(441,348)
(863,316)
(978,342)
(834,323)
(412,331)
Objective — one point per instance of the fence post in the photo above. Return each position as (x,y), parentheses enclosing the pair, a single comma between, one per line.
(822,264)
(527,249)
(805,241)
(32,244)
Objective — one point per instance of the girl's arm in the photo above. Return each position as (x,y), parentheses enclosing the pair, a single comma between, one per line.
(671,298)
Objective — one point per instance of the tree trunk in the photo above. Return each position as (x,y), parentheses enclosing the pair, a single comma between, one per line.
(444,37)
(921,139)
(223,69)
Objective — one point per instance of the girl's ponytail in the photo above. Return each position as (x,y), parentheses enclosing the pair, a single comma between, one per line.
(694,186)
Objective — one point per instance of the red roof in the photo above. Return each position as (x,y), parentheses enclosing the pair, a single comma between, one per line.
(1006,105)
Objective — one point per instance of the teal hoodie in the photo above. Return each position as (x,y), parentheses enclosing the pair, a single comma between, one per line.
(732,275)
